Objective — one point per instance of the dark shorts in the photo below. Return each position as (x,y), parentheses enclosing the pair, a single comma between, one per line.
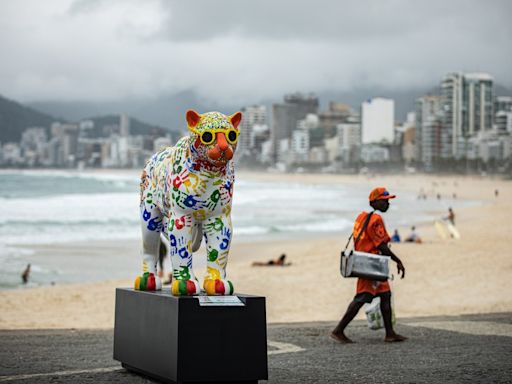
(367,297)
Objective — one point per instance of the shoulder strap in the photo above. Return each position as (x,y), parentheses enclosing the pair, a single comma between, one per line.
(367,220)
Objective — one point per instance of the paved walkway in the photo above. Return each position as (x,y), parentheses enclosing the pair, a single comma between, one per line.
(464,349)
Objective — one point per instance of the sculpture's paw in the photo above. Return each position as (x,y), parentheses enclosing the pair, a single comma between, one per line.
(218,287)
(148,282)
(185,287)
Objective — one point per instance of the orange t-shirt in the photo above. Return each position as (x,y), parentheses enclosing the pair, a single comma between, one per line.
(374,235)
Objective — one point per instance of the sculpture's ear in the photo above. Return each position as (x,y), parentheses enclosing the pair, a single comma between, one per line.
(192,118)
(235,119)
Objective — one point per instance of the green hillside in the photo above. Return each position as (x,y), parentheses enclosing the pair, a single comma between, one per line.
(137,127)
(15,117)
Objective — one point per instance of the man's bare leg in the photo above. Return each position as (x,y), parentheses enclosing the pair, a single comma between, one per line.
(338,332)
(385,307)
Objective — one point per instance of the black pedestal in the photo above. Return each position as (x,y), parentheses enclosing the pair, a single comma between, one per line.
(174,339)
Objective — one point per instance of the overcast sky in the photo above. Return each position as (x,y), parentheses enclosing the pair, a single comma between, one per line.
(105,50)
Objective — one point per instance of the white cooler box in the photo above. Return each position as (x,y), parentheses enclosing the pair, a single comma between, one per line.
(366,265)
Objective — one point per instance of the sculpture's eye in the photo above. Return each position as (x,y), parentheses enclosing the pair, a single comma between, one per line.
(232,136)
(207,138)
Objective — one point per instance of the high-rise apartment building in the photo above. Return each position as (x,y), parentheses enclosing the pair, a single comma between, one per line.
(503,103)
(429,139)
(284,122)
(349,135)
(467,104)
(337,113)
(299,146)
(66,139)
(286,115)
(33,145)
(124,125)
(503,114)
(378,120)
(253,115)
(306,104)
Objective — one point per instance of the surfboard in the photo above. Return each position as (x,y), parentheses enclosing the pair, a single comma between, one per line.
(453,231)
(441,229)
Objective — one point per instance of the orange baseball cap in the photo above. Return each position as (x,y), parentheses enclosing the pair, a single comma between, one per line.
(380,193)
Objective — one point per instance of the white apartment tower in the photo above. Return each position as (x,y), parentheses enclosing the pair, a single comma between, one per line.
(378,120)
(429,137)
(503,114)
(349,136)
(254,115)
(124,125)
(467,104)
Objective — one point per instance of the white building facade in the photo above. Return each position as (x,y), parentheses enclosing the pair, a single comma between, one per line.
(378,120)
(467,105)
(253,115)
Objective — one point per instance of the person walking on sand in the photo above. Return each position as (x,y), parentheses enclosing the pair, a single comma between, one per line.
(451,216)
(26,274)
(374,239)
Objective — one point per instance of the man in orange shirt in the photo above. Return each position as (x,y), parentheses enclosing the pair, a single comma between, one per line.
(374,239)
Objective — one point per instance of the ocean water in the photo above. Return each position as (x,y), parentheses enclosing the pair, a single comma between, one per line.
(50,207)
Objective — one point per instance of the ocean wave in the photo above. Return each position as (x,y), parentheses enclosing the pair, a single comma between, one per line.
(70,234)
(110,175)
(39,233)
(75,207)
(253,230)
(67,222)
(40,185)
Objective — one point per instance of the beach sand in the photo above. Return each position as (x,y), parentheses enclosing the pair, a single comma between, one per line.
(443,277)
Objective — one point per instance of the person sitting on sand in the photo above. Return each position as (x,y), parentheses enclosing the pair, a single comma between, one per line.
(413,236)
(279,262)
(374,239)
(396,237)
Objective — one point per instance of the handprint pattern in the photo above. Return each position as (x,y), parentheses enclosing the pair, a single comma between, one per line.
(180,188)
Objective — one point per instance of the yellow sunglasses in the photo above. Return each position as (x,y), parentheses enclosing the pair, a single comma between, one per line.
(208,136)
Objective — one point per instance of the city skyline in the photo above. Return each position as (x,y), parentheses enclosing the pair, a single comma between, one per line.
(465,121)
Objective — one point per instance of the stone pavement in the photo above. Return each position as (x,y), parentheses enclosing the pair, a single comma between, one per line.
(463,349)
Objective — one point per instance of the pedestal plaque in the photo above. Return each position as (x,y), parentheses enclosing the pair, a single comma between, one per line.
(175,340)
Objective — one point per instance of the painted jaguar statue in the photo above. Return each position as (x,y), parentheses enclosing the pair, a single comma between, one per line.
(186,191)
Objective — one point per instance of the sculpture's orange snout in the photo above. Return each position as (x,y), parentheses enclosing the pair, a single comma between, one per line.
(222,151)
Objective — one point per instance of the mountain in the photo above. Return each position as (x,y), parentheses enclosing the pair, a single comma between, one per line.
(500,90)
(169,110)
(137,127)
(15,117)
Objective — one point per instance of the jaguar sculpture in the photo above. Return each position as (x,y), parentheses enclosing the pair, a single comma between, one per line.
(186,193)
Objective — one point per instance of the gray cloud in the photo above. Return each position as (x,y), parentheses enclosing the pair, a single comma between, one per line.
(241,51)
(330,20)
